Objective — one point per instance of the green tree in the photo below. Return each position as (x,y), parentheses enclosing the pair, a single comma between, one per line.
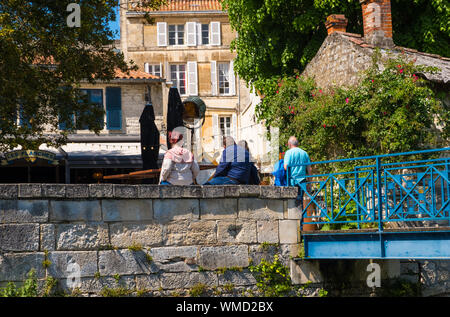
(277,37)
(42,62)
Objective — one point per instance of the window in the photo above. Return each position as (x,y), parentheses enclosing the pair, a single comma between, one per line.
(94,96)
(153,69)
(178,77)
(224,78)
(225,125)
(205,34)
(176,34)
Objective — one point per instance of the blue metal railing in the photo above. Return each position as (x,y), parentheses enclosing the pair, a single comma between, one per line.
(372,195)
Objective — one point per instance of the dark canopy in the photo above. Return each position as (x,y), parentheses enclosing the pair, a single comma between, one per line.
(174,111)
(149,138)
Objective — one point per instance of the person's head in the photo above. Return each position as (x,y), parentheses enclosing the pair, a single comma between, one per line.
(244,144)
(228,141)
(292,142)
(175,137)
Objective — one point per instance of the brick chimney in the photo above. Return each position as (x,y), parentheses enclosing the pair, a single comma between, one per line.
(336,22)
(377,22)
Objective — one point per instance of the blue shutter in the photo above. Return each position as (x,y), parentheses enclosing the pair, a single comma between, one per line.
(113,108)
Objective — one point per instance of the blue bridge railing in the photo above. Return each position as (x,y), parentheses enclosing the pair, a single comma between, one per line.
(410,192)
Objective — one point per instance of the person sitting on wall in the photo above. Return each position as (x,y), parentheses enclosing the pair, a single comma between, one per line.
(179,166)
(234,167)
(254,177)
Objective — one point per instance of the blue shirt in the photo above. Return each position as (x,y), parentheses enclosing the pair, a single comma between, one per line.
(292,159)
(279,173)
(235,163)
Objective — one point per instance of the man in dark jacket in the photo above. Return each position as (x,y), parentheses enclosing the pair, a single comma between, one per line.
(234,168)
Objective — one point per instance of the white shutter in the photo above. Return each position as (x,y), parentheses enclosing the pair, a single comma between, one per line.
(161,30)
(216,136)
(215,33)
(191,34)
(161,70)
(192,78)
(199,34)
(146,68)
(234,126)
(232,78)
(213,78)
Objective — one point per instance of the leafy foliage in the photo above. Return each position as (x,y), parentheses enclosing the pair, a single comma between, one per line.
(391,110)
(272,278)
(276,37)
(29,288)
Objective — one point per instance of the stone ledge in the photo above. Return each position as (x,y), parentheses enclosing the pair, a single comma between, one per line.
(122,191)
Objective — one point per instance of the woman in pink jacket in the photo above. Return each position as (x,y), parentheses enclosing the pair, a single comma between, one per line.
(179,166)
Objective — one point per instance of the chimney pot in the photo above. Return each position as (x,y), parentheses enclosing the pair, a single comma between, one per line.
(336,22)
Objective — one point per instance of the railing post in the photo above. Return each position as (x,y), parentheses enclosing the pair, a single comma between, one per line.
(357,196)
(380,198)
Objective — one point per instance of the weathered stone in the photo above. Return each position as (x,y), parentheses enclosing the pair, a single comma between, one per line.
(270,192)
(288,192)
(224,256)
(127,210)
(15,267)
(77,191)
(268,231)
(213,191)
(88,210)
(289,231)
(166,210)
(218,208)
(149,191)
(23,211)
(48,240)
(101,190)
(126,235)
(9,191)
(304,271)
(54,190)
(170,254)
(124,262)
(250,191)
(81,236)
(260,209)
(263,251)
(175,191)
(125,191)
(148,282)
(236,278)
(293,211)
(97,284)
(187,280)
(236,231)
(65,264)
(190,233)
(232,190)
(19,237)
(30,191)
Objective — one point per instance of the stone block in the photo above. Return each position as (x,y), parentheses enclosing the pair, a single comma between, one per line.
(19,237)
(210,191)
(171,254)
(15,266)
(212,258)
(48,238)
(187,280)
(87,210)
(65,264)
(126,235)
(166,210)
(125,191)
(288,192)
(272,192)
(236,231)
(289,231)
(23,211)
(250,191)
(293,212)
(267,231)
(260,251)
(124,262)
(149,191)
(175,191)
(54,190)
(81,236)
(127,210)
(237,278)
(30,190)
(77,191)
(94,285)
(191,233)
(148,282)
(218,208)
(101,190)
(9,191)
(260,209)
(232,190)
(304,271)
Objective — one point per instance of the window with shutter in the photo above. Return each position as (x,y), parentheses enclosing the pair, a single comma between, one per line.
(215,33)
(192,78)
(161,30)
(191,33)
(213,78)
(113,108)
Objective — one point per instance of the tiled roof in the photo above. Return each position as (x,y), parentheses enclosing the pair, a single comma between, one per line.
(134,74)
(185,5)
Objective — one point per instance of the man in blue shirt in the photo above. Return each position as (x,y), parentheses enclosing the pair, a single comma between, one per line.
(234,168)
(293,160)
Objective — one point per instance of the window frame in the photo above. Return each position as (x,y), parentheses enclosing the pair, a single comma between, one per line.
(177,79)
(224,84)
(223,130)
(177,34)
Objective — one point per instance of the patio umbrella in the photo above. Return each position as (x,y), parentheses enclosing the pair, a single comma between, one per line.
(149,138)
(174,111)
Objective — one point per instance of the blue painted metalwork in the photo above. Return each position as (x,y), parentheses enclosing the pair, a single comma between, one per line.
(373,195)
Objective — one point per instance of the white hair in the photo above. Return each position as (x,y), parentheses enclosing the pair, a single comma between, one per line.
(293,141)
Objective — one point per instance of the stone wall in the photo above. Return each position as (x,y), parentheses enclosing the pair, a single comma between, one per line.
(158,240)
